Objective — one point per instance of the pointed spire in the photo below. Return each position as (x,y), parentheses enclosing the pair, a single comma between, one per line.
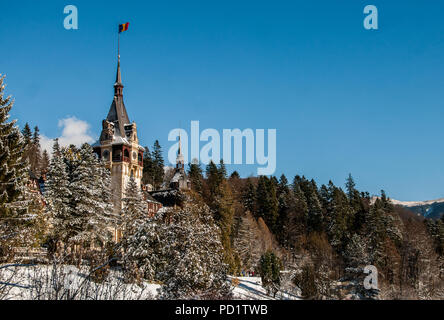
(117,113)
(118,76)
(180,145)
(118,86)
(180,163)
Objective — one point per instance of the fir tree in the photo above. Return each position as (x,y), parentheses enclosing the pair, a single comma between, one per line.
(45,162)
(222,170)
(58,194)
(297,217)
(193,255)
(246,243)
(219,198)
(13,176)
(27,139)
(35,153)
(269,269)
(350,186)
(79,197)
(315,219)
(267,203)
(148,168)
(235,175)
(104,219)
(136,237)
(195,175)
(158,165)
(85,198)
(249,197)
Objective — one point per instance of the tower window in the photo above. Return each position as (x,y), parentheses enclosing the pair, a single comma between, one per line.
(105,155)
(126,155)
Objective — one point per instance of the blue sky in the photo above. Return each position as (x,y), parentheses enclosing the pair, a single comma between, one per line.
(343,99)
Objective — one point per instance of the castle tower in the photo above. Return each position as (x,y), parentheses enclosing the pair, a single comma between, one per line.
(180,180)
(119,147)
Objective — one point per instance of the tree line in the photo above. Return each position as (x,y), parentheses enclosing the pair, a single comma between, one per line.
(322,236)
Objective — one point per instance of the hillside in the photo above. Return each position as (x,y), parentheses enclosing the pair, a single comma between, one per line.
(433,209)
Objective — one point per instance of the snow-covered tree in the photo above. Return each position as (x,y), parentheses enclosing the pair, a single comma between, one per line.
(355,253)
(79,198)
(58,195)
(91,215)
(136,234)
(247,242)
(192,254)
(13,176)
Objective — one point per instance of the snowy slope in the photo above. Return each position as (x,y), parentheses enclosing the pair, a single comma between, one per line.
(39,282)
(409,204)
(250,288)
(433,209)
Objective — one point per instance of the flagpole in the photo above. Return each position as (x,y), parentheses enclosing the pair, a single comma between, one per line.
(118,45)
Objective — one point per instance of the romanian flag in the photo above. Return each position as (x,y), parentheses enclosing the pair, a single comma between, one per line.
(123,27)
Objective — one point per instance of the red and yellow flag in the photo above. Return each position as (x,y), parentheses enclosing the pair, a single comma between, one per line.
(123,27)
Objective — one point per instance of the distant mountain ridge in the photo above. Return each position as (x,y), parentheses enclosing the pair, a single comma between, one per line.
(432,209)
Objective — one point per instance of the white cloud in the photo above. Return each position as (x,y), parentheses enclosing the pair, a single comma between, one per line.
(74,131)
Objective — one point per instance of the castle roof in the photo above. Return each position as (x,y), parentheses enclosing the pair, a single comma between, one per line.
(117,113)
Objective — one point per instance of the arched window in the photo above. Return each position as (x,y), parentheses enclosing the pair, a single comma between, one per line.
(105,155)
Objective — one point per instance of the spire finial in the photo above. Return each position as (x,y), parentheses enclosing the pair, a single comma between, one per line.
(180,144)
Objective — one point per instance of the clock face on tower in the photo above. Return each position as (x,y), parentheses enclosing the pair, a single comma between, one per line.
(134,155)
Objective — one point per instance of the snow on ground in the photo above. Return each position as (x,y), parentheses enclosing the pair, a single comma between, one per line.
(45,282)
(250,288)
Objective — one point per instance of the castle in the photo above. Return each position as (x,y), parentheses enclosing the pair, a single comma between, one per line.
(119,148)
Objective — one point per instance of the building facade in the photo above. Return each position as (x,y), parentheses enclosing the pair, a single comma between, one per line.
(119,147)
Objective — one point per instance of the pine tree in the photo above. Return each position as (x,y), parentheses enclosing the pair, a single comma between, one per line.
(13,176)
(27,134)
(148,168)
(193,255)
(195,175)
(58,195)
(45,162)
(80,200)
(104,220)
(339,217)
(235,175)
(222,170)
(27,139)
(134,210)
(297,217)
(350,186)
(315,219)
(246,242)
(135,243)
(269,269)
(249,197)
(267,202)
(219,198)
(285,203)
(214,179)
(35,153)
(84,197)
(158,164)
(355,254)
